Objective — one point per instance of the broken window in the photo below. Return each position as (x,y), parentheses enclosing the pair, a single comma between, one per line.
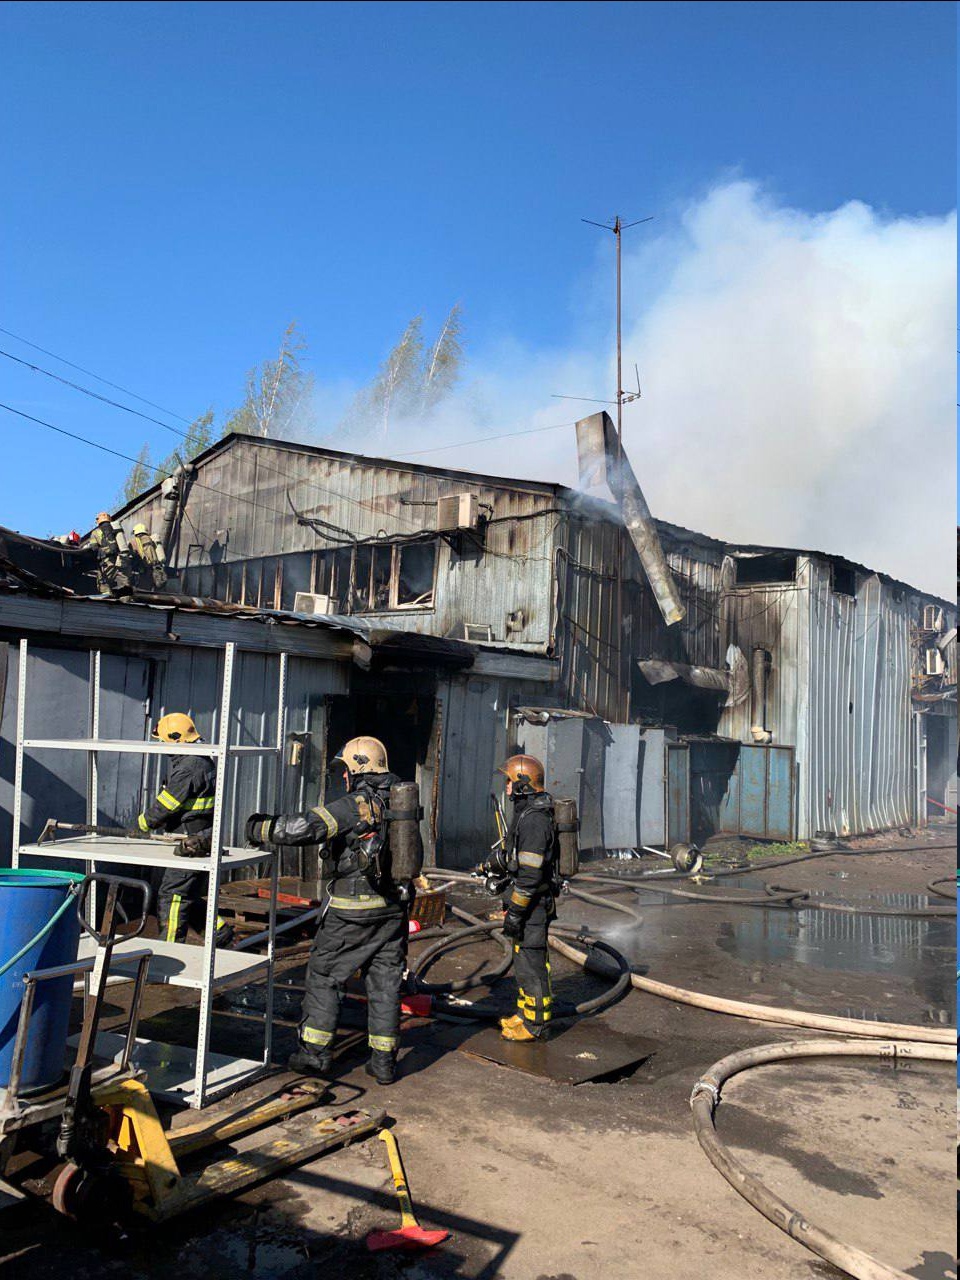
(767,568)
(360,593)
(377,577)
(845,579)
(297,573)
(268,587)
(380,578)
(251,581)
(235,583)
(415,569)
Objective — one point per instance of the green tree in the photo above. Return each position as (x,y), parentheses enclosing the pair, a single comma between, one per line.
(144,473)
(140,477)
(199,436)
(279,393)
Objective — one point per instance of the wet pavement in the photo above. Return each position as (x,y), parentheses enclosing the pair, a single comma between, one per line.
(545,1181)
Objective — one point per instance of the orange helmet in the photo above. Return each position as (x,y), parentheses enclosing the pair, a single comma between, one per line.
(525,772)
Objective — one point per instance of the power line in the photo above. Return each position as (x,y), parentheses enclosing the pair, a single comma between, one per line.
(176,431)
(95,444)
(94,394)
(506,435)
(89,372)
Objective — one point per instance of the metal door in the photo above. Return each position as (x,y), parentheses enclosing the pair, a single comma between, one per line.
(678,793)
(766,790)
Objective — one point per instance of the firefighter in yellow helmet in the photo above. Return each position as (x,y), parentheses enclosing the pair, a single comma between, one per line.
(527,863)
(364,923)
(183,803)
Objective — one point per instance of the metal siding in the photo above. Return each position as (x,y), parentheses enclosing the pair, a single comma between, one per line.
(474,740)
(245,489)
(861,759)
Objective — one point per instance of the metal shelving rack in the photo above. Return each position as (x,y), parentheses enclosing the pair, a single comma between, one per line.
(190,1076)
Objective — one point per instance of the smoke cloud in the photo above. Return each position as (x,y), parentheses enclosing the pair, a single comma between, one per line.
(797,374)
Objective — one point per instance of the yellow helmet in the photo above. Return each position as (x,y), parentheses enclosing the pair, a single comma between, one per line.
(176,727)
(363,755)
(103,517)
(525,772)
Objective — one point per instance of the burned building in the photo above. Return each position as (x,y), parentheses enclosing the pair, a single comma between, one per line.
(791,691)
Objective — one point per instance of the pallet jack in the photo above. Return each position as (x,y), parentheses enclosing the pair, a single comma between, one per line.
(117,1162)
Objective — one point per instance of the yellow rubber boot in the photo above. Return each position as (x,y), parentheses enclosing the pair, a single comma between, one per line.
(513,1021)
(515,1029)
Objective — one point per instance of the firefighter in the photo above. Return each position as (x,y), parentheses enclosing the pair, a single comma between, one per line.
(184,803)
(114,562)
(364,924)
(528,862)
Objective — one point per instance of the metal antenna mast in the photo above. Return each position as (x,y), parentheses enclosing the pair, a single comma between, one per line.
(618,228)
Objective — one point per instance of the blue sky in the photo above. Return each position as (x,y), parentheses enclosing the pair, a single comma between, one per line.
(180,180)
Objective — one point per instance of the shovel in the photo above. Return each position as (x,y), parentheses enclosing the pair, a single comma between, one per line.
(410,1234)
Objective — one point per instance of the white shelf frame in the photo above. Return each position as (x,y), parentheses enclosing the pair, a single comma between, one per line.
(201,974)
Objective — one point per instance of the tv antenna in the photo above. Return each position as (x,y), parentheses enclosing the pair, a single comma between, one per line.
(618,227)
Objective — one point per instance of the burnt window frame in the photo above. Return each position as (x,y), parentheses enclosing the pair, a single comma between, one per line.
(752,568)
(336,570)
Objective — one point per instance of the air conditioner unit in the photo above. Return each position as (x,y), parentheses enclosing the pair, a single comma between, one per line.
(933,662)
(307,602)
(478,632)
(457,511)
(932,617)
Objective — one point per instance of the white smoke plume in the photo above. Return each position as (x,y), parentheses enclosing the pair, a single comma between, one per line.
(797,372)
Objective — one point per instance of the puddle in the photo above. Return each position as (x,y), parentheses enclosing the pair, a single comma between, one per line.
(920,951)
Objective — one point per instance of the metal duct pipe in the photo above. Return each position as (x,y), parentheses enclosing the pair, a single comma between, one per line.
(601,461)
(758,709)
(171,491)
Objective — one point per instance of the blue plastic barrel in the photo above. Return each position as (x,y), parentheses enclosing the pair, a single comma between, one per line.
(28,901)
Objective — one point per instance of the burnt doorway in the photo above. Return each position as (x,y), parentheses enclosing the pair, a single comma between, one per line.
(402,714)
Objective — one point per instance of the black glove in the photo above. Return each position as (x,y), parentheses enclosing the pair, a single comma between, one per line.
(513,925)
(259,828)
(194,846)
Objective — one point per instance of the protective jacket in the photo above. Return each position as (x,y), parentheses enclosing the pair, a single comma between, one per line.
(531,857)
(532,865)
(185,799)
(353,831)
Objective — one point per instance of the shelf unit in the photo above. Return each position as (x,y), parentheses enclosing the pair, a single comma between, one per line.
(200,968)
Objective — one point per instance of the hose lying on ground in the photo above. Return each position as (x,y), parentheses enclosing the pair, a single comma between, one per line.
(770,863)
(769,1013)
(741,1008)
(933,886)
(772,896)
(704,1102)
(477,928)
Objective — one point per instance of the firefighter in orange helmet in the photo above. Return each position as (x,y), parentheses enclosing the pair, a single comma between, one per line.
(527,861)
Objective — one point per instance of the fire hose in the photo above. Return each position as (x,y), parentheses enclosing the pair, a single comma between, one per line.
(739,1008)
(706,1098)
(773,896)
(476,928)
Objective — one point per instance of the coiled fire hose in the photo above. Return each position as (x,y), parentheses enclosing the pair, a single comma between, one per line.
(477,928)
(706,1098)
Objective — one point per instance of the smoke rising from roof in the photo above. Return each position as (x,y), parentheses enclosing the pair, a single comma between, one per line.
(797,373)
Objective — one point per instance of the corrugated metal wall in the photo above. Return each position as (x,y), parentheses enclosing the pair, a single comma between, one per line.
(774,617)
(860,758)
(475,738)
(237,509)
(136,689)
(587,627)
(839,691)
